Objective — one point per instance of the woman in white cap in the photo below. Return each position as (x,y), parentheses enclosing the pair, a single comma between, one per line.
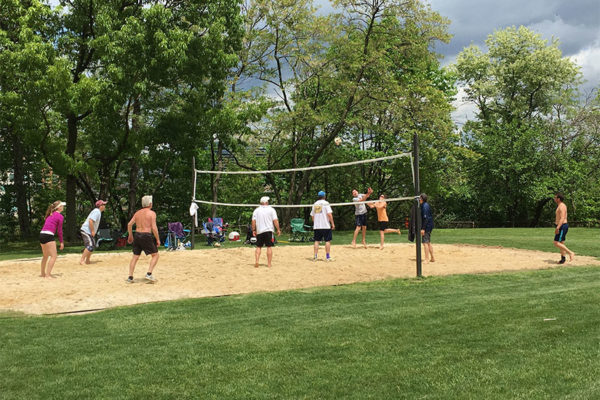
(52,225)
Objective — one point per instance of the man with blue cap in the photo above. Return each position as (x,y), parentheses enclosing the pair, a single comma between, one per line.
(323,224)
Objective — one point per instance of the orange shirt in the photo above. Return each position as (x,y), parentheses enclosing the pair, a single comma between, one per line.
(381,211)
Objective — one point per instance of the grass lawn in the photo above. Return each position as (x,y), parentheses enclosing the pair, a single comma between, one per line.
(524,335)
(583,241)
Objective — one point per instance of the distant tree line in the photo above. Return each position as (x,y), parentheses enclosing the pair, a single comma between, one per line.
(113,99)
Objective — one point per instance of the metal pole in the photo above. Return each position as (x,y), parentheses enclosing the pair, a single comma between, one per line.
(193,197)
(417,204)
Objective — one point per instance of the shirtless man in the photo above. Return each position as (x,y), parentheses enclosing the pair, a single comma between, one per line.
(562,227)
(145,226)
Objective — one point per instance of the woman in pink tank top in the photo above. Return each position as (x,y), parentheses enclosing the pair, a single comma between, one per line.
(52,225)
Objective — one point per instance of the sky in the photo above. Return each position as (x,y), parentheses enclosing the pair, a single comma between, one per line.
(576,23)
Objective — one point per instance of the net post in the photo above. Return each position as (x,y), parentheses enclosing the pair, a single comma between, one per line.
(418,203)
(193,197)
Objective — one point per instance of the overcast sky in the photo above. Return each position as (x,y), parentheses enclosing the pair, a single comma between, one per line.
(576,23)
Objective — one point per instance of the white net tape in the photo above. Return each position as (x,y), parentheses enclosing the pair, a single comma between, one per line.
(305,168)
(300,205)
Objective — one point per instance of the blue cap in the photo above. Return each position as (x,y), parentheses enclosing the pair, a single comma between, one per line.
(321,194)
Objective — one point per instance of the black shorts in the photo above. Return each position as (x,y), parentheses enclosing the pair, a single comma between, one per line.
(144,241)
(323,235)
(360,220)
(562,233)
(46,238)
(427,237)
(265,239)
(383,225)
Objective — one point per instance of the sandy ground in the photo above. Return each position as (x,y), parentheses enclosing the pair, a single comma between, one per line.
(214,272)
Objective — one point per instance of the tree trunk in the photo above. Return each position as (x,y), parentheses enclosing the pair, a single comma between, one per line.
(71,215)
(133,185)
(217,178)
(20,188)
(538,211)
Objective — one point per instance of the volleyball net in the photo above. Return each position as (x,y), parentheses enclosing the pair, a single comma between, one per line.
(274,204)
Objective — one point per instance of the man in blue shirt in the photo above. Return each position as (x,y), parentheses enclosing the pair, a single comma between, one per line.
(426,227)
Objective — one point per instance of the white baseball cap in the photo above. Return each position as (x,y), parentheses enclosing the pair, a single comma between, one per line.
(264,199)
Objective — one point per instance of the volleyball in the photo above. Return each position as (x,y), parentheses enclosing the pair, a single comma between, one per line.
(234,236)
(338,141)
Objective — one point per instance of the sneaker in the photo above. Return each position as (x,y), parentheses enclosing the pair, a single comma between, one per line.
(150,278)
(329,259)
(315,259)
(129,280)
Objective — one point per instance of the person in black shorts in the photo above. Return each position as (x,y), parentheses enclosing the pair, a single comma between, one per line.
(323,224)
(264,222)
(146,238)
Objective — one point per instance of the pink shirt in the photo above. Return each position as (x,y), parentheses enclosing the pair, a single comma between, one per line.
(54,223)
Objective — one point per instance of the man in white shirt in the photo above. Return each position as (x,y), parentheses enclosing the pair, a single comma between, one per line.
(89,230)
(264,222)
(360,216)
(323,224)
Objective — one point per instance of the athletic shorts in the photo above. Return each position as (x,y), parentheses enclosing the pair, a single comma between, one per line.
(144,241)
(383,225)
(88,241)
(265,239)
(323,235)
(46,238)
(562,233)
(360,220)
(426,237)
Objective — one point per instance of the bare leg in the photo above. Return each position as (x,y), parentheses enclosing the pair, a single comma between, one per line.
(356,230)
(390,230)
(44,260)
(51,249)
(381,239)
(153,262)
(364,236)
(426,248)
(132,263)
(430,252)
(564,250)
(256,256)
(85,257)
(327,247)
(269,256)
(316,248)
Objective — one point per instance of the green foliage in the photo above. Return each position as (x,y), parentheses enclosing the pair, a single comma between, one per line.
(524,132)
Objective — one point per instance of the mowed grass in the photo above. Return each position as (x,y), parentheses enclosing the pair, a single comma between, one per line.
(524,335)
(584,241)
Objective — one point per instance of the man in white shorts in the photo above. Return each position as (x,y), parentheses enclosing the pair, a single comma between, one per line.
(264,222)
(323,224)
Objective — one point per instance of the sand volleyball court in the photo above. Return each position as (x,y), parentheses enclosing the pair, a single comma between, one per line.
(213,272)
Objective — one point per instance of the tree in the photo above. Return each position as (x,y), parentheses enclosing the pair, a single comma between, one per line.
(366,74)
(515,86)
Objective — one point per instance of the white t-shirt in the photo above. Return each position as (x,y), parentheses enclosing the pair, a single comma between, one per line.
(319,213)
(264,217)
(95,216)
(360,208)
